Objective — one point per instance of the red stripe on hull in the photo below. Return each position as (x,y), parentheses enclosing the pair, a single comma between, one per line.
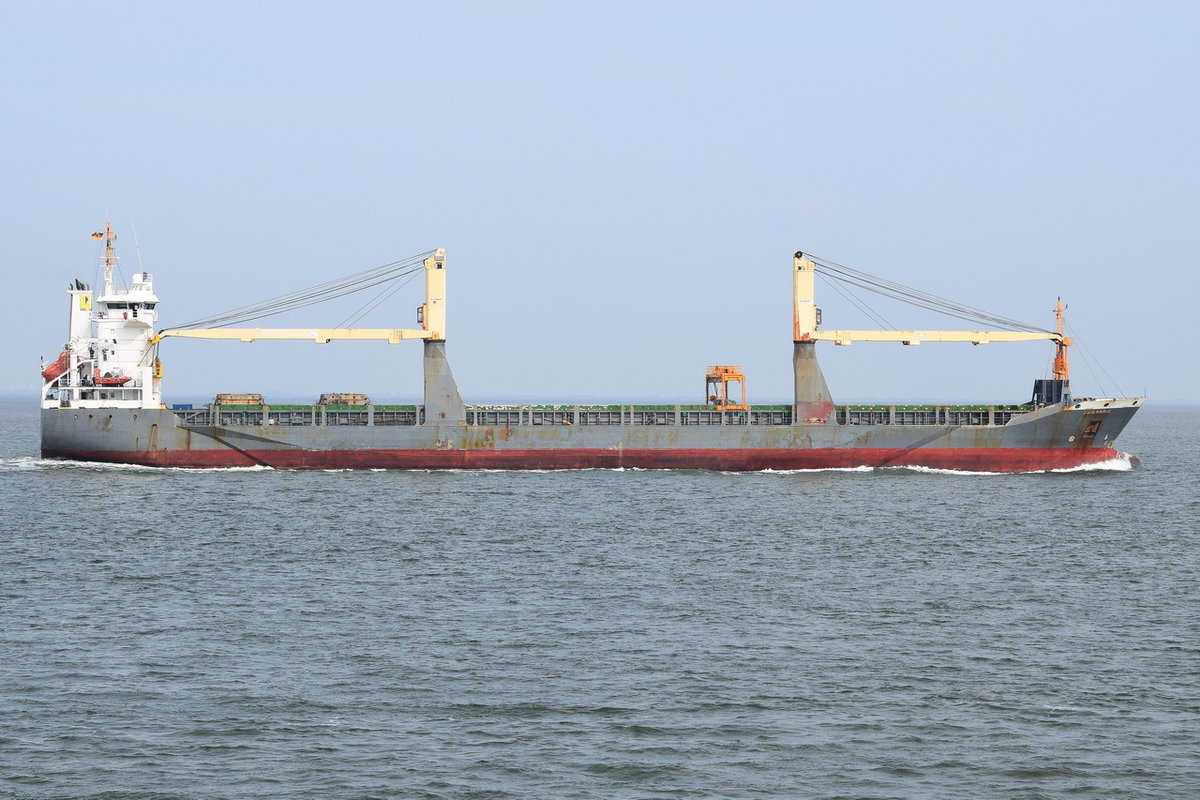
(1008,459)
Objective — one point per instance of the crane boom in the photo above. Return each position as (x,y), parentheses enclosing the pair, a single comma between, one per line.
(806,318)
(318,335)
(917,337)
(431,316)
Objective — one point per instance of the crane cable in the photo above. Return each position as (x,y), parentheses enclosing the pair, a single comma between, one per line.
(861,305)
(312,295)
(1089,359)
(379,299)
(916,297)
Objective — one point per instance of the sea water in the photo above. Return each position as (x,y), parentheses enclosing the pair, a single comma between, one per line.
(600,634)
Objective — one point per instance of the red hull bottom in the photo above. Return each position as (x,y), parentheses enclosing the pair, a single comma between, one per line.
(973,460)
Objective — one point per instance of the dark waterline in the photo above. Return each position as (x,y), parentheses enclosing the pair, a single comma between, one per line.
(600,634)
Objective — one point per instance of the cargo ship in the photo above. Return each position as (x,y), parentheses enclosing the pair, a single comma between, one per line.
(102,401)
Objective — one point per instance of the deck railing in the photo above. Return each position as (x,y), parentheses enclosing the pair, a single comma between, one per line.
(501,416)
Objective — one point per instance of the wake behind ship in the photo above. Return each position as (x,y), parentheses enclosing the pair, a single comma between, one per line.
(102,401)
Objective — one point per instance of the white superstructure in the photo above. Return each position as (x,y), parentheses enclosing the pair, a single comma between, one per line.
(108,360)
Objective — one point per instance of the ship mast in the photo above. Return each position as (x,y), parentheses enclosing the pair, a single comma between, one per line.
(110,255)
(1062,370)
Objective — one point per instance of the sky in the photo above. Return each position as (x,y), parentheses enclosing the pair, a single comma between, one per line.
(619,186)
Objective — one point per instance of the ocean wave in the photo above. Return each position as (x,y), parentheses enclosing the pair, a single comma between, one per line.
(32,463)
(941,471)
(769,471)
(1120,462)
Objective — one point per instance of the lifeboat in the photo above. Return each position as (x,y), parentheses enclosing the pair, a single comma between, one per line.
(112,380)
(58,367)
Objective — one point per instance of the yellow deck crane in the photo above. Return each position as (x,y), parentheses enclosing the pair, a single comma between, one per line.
(443,403)
(813,402)
(806,318)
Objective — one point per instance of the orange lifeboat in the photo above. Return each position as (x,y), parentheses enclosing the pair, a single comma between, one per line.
(110,380)
(58,367)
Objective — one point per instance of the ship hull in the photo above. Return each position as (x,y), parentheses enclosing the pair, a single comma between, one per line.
(1049,438)
(972,460)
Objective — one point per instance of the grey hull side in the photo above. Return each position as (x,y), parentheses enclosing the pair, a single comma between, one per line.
(1050,437)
